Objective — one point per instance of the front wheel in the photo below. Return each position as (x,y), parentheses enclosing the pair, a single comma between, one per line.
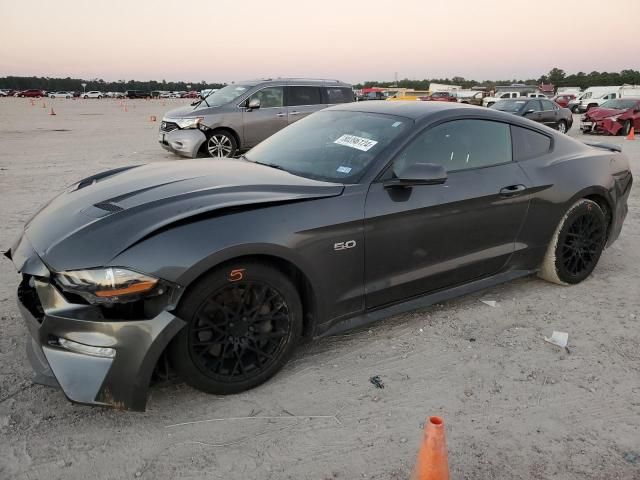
(490,103)
(562,126)
(243,323)
(221,144)
(576,245)
(86,96)
(626,128)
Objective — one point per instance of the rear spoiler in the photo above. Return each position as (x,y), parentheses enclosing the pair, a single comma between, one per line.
(605,146)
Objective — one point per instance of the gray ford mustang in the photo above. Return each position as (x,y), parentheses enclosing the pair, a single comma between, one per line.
(350,215)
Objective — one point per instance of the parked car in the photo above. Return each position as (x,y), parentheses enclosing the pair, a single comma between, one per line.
(191,94)
(137,94)
(564,99)
(536,95)
(407,95)
(60,94)
(32,93)
(615,117)
(492,197)
(241,115)
(440,97)
(93,94)
(4,93)
(488,101)
(373,96)
(539,110)
(596,96)
(471,98)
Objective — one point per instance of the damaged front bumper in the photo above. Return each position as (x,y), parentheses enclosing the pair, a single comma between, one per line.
(93,359)
(185,143)
(606,126)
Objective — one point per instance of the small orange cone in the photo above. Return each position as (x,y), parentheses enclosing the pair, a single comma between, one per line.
(152,118)
(432,463)
(52,112)
(632,134)
(125,109)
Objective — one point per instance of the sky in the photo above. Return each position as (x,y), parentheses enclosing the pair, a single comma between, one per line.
(353,40)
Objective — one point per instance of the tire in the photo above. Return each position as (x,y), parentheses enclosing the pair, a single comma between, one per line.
(562,126)
(210,352)
(576,245)
(86,96)
(221,143)
(99,97)
(574,109)
(626,128)
(590,106)
(489,104)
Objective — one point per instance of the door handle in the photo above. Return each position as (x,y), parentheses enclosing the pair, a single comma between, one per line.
(512,190)
(294,113)
(281,114)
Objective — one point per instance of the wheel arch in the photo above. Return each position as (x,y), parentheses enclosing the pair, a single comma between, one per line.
(599,195)
(306,287)
(221,129)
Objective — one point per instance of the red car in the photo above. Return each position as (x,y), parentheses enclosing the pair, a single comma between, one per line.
(191,94)
(439,97)
(613,117)
(564,99)
(31,93)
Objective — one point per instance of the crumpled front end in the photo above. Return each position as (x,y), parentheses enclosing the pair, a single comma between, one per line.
(185,143)
(607,126)
(95,356)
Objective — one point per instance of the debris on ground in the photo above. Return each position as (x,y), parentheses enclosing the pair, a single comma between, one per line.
(559,339)
(631,457)
(376,381)
(491,303)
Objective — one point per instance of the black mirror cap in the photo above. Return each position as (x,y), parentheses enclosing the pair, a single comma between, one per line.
(419,174)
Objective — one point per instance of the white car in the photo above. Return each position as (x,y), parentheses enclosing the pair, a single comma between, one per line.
(92,94)
(60,95)
(3,93)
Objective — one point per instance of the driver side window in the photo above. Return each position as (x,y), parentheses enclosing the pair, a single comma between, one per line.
(269,97)
(459,145)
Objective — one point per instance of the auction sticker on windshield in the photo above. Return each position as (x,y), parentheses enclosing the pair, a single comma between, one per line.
(358,143)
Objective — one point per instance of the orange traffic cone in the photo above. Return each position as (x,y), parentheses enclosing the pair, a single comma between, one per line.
(52,112)
(152,118)
(632,134)
(432,463)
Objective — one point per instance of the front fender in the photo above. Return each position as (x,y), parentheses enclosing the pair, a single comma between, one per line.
(185,142)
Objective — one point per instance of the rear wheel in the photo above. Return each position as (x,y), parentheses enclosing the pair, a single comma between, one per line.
(221,144)
(490,103)
(576,245)
(562,126)
(243,324)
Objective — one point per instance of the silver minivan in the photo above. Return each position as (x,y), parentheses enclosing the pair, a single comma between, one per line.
(241,115)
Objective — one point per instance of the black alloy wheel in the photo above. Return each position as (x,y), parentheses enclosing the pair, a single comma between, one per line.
(243,324)
(576,245)
(239,330)
(582,244)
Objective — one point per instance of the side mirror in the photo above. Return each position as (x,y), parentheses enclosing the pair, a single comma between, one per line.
(418,174)
(253,103)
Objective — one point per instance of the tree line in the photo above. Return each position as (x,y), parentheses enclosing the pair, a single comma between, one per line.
(51,84)
(557,76)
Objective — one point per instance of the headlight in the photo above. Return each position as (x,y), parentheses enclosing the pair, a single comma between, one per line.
(189,122)
(614,118)
(108,285)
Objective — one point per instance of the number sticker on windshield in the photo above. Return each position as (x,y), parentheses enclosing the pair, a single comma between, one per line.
(359,143)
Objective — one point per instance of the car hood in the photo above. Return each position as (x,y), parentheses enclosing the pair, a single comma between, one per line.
(602,113)
(101,216)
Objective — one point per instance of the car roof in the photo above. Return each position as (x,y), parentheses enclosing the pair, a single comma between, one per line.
(292,81)
(415,110)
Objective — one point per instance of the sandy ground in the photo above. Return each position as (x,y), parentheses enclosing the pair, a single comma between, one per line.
(515,406)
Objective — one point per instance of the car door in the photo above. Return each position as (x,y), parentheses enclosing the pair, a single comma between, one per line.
(427,237)
(550,113)
(302,100)
(533,111)
(271,116)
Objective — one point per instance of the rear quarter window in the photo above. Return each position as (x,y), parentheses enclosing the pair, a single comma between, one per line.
(528,144)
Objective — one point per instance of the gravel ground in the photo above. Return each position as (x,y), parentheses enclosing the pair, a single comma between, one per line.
(515,406)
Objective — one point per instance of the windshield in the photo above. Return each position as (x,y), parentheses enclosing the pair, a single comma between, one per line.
(619,104)
(509,105)
(333,146)
(223,96)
